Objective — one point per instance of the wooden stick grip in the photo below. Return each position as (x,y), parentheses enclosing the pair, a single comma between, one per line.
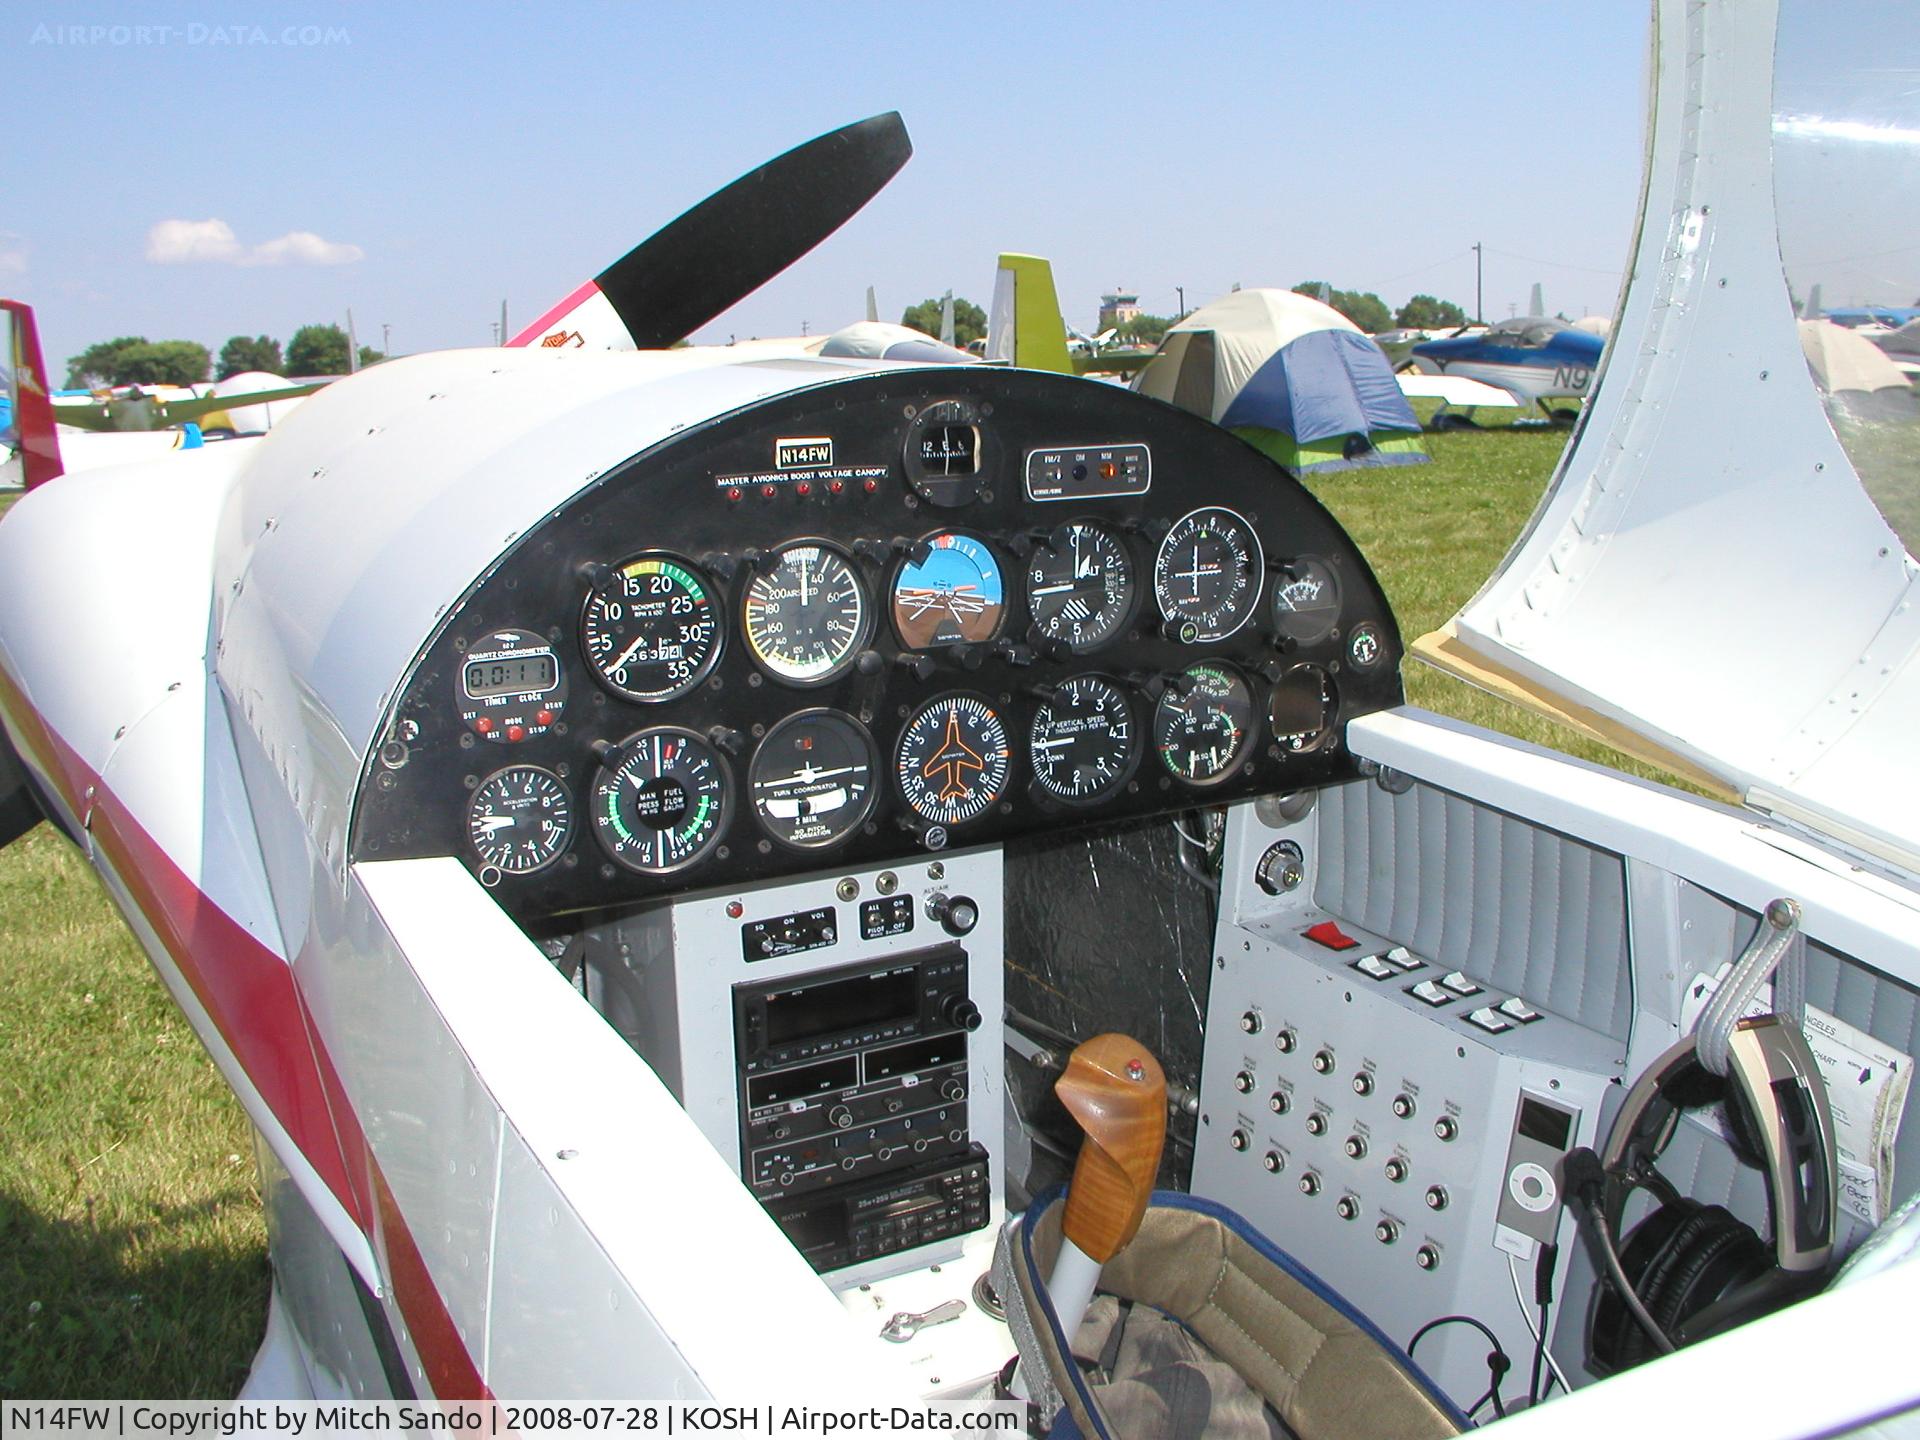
(1116,1091)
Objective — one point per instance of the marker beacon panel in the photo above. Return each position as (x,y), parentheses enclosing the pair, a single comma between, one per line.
(870,619)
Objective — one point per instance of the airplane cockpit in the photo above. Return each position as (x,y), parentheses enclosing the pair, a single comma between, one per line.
(690,820)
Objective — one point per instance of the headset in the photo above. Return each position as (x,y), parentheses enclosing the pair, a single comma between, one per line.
(1690,1270)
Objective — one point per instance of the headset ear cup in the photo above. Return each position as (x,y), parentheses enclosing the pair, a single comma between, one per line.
(1709,1255)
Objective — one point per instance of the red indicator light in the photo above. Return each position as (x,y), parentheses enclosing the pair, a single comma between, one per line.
(483,725)
(516,732)
(735,909)
(767,492)
(543,717)
(805,487)
(869,486)
(834,487)
(1108,469)
(733,492)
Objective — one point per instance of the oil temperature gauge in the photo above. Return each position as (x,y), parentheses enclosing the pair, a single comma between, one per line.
(661,800)
(519,820)
(1203,723)
(510,687)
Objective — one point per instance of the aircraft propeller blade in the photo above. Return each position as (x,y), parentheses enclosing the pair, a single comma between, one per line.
(731,243)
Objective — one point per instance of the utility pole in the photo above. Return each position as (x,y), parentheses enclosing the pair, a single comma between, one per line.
(1181,291)
(1479,308)
(386,338)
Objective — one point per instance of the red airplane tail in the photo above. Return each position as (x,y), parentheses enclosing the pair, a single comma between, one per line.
(31,428)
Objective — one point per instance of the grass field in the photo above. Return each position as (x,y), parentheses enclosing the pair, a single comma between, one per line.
(132,1251)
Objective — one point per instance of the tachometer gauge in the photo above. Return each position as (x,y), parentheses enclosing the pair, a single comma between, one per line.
(1306,601)
(519,820)
(510,687)
(953,759)
(955,595)
(811,780)
(662,800)
(650,629)
(1207,574)
(1301,709)
(1080,589)
(806,613)
(1084,743)
(1203,723)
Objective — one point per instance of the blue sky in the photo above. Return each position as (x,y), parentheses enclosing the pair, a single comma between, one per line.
(471,156)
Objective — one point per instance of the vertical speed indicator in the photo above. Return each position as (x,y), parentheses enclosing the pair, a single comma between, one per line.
(650,629)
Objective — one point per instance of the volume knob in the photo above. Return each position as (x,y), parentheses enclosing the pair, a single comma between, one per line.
(960,1012)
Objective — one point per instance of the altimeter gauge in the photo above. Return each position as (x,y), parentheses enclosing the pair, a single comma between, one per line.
(1206,576)
(650,629)
(806,613)
(519,819)
(956,595)
(661,800)
(812,779)
(1203,723)
(1084,742)
(952,759)
(1080,587)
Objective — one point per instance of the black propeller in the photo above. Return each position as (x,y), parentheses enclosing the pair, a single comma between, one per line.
(737,239)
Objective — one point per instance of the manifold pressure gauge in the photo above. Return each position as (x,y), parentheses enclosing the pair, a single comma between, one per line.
(650,629)
(661,800)
(519,820)
(806,613)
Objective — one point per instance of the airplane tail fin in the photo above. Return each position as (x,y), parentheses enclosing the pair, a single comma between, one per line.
(1538,305)
(946,319)
(873,307)
(1812,310)
(1025,327)
(28,427)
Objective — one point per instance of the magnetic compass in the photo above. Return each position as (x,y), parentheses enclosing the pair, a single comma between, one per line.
(1203,723)
(650,629)
(1206,576)
(952,759)
(519,819)
(1080,586)
(812,780)
(661,800)
(1084,742)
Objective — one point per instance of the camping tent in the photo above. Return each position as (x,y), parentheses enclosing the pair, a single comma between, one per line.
(1855,376)
(1290,376)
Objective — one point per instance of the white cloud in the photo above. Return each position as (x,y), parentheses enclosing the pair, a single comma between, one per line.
(13,253)
(181,242)
(185,242)
(303,247)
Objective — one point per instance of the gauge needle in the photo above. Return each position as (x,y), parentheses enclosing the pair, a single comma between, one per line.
(1052,744)
(1052,589)
(628,653)
(496,822)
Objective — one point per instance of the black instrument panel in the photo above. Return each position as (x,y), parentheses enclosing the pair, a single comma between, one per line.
(873,619)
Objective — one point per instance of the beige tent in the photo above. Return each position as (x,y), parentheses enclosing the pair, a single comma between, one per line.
(1855,377)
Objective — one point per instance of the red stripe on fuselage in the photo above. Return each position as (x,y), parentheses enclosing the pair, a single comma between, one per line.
(250,994)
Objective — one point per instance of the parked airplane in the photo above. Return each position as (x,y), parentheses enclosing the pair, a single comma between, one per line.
(478,838)
(1532,358)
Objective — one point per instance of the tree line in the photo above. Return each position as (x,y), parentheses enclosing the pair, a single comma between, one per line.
(136,360)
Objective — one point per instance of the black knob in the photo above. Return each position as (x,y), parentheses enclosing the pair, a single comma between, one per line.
(870,662)
(956,914)
(1012,652)
(731,742)
(594,572)
(916,663)
(876,551)
(1046,646)
(916,551)
(960,1012)
(967,657)
(1183,632)
(718,564)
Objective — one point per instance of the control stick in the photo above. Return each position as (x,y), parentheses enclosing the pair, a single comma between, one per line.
(1117,1093)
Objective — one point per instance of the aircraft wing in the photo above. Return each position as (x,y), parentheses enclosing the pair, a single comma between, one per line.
(162,414)
(1453,389)
(1112,362)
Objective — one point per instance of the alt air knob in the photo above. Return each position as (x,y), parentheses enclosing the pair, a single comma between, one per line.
(955,914)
